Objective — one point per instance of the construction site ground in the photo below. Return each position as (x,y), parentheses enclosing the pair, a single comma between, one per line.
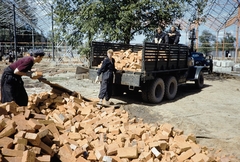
(211,114)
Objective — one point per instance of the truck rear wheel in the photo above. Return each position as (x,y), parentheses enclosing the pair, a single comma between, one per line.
(200,81)
(156,91)
(171,87)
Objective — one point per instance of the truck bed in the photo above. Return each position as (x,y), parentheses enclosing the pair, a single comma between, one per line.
(157,59)
(164,57)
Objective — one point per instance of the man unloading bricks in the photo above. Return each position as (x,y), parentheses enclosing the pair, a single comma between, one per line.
(12,86)
(107,69)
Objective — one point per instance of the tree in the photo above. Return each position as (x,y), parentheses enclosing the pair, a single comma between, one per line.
(228,42)
(206,40)
(114,20)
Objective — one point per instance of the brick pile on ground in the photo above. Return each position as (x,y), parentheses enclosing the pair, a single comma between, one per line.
(60,127)
(127,60)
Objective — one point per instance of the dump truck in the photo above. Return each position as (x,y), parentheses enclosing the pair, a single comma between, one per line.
(163,68)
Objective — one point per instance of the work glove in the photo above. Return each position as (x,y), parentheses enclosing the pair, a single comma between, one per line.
(34,75)
(97,79)
(29,74)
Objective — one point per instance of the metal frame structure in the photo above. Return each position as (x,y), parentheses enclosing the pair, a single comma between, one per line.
(217,15)
(35,13)
(32,14)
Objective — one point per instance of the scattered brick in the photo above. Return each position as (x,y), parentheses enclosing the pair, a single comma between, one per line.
(68,128)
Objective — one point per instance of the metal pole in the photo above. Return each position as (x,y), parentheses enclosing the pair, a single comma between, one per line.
(33,39)
(217,45)
(42,40)
(53,46)
(223,43)
(186,41)
(14,32)
(197,27)
(236,50)
(238,24)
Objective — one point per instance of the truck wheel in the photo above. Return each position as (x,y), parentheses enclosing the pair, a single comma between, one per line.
(156,91)
(200,81)
(171,87)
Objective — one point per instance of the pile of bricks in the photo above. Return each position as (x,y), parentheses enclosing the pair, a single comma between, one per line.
(60,127)
(127,60)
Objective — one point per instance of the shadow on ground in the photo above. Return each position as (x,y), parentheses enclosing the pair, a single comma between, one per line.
(135,97)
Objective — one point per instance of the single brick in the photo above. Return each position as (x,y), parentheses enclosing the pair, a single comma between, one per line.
(155,152)
(112,149)
(44,158)
(10,152)
(28,156)
(127,152)
(34,123)
(186,155)
(6,142)
(33,138)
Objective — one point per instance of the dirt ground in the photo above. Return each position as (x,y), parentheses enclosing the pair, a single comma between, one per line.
(211,114)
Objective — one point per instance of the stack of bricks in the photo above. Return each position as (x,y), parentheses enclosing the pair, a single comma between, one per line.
(70,129)
(127,60)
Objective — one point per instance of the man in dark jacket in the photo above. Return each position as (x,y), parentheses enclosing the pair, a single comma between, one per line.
(12,86)
(160,36)
(173,36)
(107,69)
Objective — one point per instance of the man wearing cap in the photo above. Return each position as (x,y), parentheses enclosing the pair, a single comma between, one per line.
(12,86)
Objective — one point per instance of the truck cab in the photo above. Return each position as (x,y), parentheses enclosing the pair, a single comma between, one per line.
(199,59)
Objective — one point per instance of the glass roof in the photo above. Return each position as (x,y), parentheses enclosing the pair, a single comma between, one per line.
(33,13)
(37,13)
(217,14)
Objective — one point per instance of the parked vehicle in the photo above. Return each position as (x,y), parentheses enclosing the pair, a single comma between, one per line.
(164,67)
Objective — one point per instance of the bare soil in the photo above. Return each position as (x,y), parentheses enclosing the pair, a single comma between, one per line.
(212,114)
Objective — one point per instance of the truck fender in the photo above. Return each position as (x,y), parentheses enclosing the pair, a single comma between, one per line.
(197,72)
(194,72)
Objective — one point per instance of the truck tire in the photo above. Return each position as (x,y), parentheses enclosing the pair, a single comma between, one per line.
(156,91)
(200,81)
(171,87)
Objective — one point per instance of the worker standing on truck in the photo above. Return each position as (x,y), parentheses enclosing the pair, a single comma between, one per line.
(173,36)
(160,36)
(107,69)
(12,86)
